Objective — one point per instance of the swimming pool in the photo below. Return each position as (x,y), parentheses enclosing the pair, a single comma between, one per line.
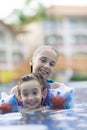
(71,119)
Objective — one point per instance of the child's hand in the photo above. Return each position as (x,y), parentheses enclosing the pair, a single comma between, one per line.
(43,108)
(55,85)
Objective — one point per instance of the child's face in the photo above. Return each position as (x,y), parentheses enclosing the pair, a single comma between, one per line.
(44,62)
(31,94)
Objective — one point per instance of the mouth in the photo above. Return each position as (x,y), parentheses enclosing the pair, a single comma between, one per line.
(31,103)
(44,72)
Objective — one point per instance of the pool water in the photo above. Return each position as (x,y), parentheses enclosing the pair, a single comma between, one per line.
(70,119)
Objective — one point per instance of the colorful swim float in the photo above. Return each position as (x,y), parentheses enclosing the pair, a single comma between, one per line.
(8,103)
(60,98)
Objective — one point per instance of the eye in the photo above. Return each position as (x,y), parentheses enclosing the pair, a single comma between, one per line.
(52,64)
(43,60)
(35,93)
(25,94)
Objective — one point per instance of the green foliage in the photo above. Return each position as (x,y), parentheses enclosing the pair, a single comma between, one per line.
(41,14)
(23,19)
(27,2)
(79,77)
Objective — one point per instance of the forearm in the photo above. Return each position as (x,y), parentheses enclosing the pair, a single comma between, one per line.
(14,90)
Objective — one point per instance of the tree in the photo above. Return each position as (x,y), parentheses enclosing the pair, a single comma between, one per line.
(21,18)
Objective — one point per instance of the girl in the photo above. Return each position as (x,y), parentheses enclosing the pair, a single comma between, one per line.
(43,62)
(32,90)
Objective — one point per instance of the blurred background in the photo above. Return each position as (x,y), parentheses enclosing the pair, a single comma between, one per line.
(27,24)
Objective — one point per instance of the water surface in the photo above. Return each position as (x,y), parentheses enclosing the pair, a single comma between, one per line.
(70,119)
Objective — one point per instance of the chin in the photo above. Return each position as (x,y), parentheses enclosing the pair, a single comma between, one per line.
(33,107)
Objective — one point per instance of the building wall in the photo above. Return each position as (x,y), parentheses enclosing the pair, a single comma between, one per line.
(68,35)
(11,52)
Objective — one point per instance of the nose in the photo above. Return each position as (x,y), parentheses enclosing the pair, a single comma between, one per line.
(47,65)
(30,97)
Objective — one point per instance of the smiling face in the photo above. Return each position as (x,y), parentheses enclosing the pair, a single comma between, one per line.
(31,94)
(44,62)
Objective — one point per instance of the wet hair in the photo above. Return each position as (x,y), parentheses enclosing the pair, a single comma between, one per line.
(38,50)
(32,76)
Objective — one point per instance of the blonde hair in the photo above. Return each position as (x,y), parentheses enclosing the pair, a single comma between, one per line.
(44,47)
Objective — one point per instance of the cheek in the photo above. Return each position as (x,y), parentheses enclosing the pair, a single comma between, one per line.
(23,98)
(35,65)
(39,96)
(51,69)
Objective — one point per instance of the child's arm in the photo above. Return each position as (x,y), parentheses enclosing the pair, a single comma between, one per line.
(43,108)
(14,90)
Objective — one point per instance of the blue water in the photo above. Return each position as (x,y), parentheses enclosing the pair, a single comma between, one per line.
(72,119)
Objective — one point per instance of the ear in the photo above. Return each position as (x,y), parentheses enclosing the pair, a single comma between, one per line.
(44,93)
(30,62)
(19,99)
